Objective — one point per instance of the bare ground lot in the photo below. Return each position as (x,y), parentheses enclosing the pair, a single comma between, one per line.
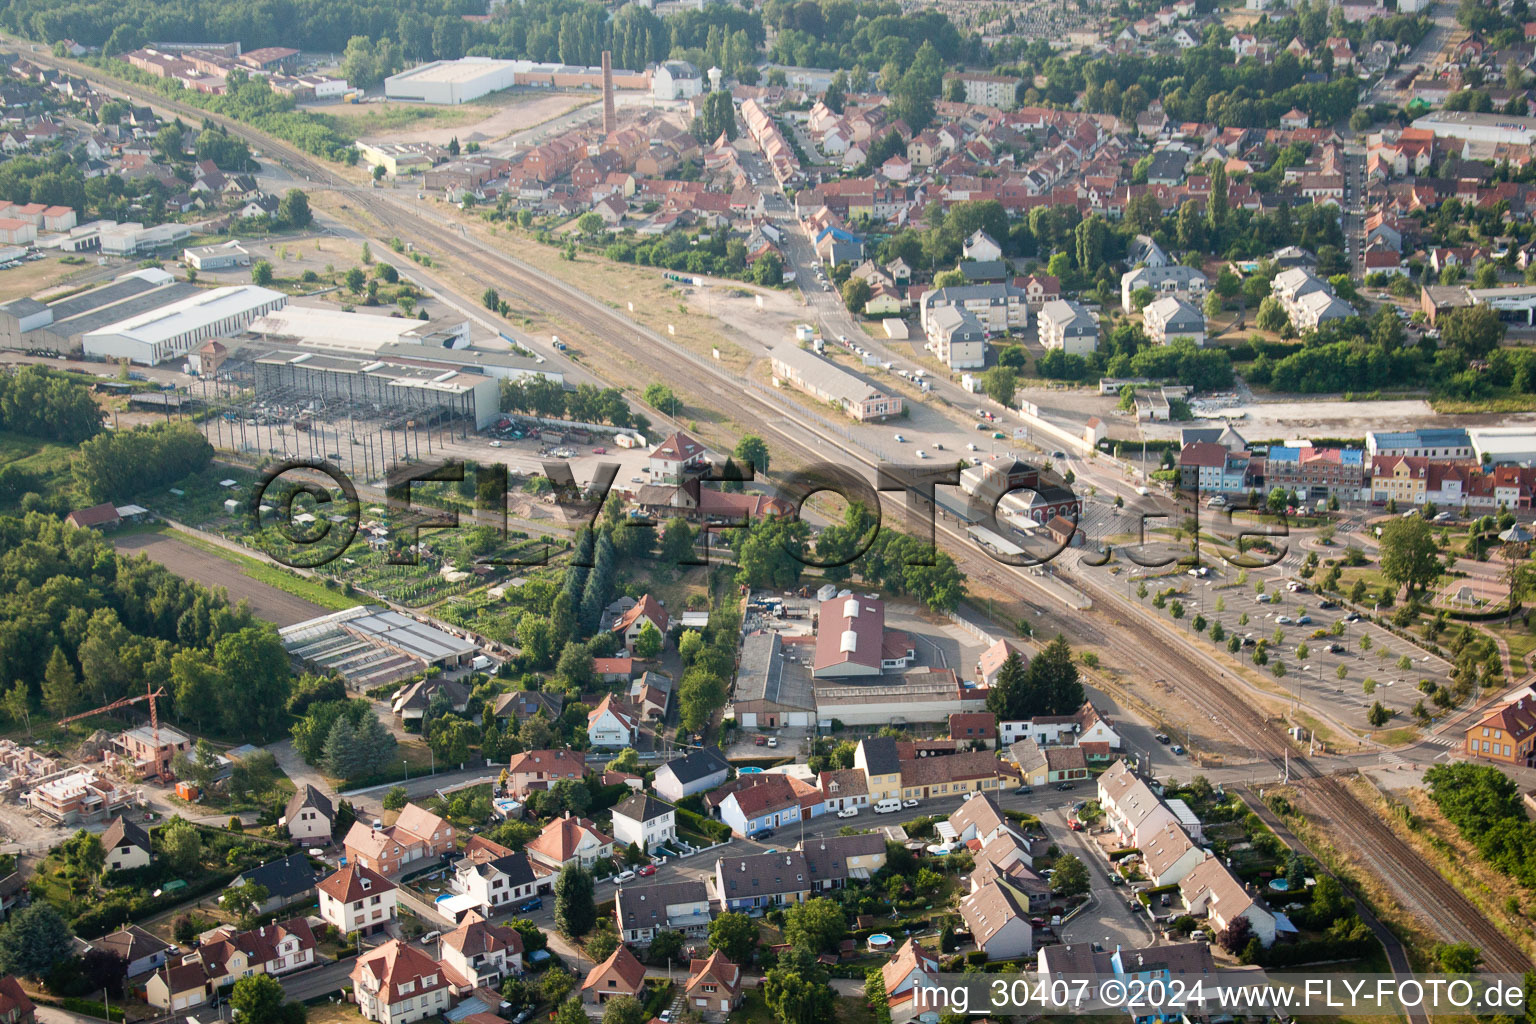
(486,120)
(210,570)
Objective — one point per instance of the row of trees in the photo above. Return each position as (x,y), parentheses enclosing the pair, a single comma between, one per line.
(586,403)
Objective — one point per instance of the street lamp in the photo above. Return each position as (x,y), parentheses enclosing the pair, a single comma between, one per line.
(407,764)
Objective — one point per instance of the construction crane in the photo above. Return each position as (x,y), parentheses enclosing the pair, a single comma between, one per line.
(154,720)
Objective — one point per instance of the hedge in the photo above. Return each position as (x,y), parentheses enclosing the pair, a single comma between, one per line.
(113,913)
(1292,954)
(717,831)
(91,1008)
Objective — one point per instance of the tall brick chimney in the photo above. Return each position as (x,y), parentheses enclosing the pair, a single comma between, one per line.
(610,119)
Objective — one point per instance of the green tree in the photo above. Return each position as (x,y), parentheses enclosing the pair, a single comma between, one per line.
(1378,715)
(752,449)
(395,798)
(648,643)
(575,909)
(1000,383)
(624,1009)
(1271,315)
(1410,556)
(1010,697)
(244,900)
(815,926)
(181,844)
(491,299)
(735,935)
(1071,877)
(590,223)
(33,941)
(856,292)
(18,706)
(61,689)
(261,273)
(258,999)
(797,992)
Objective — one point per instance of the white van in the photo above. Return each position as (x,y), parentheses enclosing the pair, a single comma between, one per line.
(887,806)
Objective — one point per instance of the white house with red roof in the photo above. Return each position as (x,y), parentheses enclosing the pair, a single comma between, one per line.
(568,840)
(647,609)
(357,899)
(912,967)
(675,458)
(477,953)
(397,984)
(613,723)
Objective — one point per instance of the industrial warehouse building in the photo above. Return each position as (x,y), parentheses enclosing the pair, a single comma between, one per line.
(393,384)
(314,327)
(1469,127)
(370,646)
(174,331)
(469,78)
(60,326)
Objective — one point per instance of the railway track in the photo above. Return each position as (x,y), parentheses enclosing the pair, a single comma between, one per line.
(1195,678)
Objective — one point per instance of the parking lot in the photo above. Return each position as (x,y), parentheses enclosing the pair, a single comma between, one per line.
(1335,639)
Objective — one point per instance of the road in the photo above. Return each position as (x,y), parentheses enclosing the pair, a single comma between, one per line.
(1385,89)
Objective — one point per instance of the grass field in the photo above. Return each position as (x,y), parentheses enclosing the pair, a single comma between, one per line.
(22,281)
(46,463)
(379,118)
(273,576)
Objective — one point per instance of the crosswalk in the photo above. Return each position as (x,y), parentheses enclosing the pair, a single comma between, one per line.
(1390,758)
(1444,741)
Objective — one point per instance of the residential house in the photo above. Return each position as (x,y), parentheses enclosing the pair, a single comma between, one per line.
(287,880)
(1068,326)
(396,984)
(176,988)
(1131,809)
(1208,468)
(534,770)
(416,835)
(620,975)
(844,788)
(651,694)
(981,246)
(357,899)
(613,670)
(714,987)
(1507,734)
(673,460)
(569,840)
(835,860)
(1213,891)
(521,705)
(978,818)
(957,338)
(762,880)
(495,878)
(877,759)
(15,1007)
(992,659)
(1039,289)
(644,910)
(1171,317)
(977,727)
(612,724)
(126,845)
(913,968)
(770,803)
(1168,855)
(998,923)
(967,771)
(228,955)
(478,954)
(309,817)
(1173,279)
(644,821)
(999,308)
(1039,767)
(137,948)
(645,611)
(700,771)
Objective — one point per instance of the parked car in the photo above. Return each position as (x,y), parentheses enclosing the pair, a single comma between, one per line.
(1024,790)
(1162,737)
(1325,604)
(495,444)
(1335,648)
(773,741)
(900,439)
(759,741)
(1177,750)
(1305,620)
(762,833)
(848,812)
(623,876)
(1064,785)
(1352,617)
(646,871)
(1286,620)
(909,803)
(536,903)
